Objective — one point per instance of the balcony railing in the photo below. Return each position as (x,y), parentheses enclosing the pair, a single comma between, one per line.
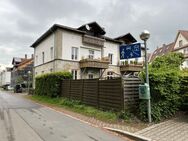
(131,67)
(186,55)
(94,63)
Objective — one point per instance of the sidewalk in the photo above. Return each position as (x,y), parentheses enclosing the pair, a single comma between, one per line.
(171,130)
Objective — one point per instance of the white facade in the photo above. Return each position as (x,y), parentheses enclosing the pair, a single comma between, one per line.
(65,43)
(5,78)
(181,45)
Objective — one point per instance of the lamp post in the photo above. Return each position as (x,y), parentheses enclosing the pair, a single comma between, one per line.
(145,36)
(29,72)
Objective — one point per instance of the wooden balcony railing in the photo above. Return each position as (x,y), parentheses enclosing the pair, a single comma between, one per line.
(94,63)
(131,67)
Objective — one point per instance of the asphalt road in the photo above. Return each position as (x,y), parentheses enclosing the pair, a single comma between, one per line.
(22,120)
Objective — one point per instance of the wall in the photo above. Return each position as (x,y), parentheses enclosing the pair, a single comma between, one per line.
(72,39)
(44,46)
(5,78)
(180,37)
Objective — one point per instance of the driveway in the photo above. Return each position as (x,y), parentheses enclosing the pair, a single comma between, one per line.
(22,120)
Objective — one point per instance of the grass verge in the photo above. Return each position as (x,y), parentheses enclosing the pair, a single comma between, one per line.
(78,107)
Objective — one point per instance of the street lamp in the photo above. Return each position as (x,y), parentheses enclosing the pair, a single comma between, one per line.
(29,72)
(145,36)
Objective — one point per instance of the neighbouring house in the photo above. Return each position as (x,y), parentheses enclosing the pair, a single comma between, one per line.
(165,49)
(181,45)
(84,51)
(5,78)
(20,69)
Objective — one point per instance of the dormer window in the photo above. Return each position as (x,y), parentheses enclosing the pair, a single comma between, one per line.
(180,43)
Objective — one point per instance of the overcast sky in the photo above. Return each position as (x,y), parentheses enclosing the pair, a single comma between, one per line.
(23,21)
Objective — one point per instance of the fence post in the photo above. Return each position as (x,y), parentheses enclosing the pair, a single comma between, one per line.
(82,90)
(70,90)
(98,106)
(122,95)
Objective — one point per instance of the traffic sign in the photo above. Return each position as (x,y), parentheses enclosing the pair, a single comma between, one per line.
(130,51)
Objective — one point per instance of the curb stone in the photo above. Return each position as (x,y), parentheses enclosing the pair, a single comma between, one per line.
(128,134)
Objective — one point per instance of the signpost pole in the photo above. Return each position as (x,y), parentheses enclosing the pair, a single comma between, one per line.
(145,36)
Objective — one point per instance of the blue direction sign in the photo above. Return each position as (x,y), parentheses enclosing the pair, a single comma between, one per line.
(130,51)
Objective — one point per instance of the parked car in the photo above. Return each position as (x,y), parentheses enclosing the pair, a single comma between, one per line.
(18,88)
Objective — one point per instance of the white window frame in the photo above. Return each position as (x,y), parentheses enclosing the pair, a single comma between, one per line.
(180,43)
(43,57)
(91,54)
(89,76)
(52,53)
(74,74)
(110,56)
(74,53)
(36,57)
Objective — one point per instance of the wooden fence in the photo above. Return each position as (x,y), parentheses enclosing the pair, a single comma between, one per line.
(115,94)
(131,92)
(103,94)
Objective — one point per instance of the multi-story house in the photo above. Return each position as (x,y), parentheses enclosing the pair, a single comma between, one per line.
(181,45)
(85,51)
(20,69)
(5,78)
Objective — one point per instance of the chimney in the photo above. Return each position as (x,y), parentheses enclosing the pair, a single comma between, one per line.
(32,56)
(164,45)
(25,56)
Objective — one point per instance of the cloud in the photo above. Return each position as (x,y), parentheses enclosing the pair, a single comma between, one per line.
(22,22)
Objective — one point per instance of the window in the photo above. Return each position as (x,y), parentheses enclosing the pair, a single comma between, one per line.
(51,52)
(51,70)
(91,54)
(42,57)
(74,74)
(90,76)
(180,43)
(110,56)
(36,59)
(42,72)
(74,54)
(109,75)
(185,51)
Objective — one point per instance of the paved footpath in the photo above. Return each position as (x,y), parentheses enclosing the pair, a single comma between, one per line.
(171,130)
(22,120)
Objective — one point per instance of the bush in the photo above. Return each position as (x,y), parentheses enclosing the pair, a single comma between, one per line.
(165,82)
(50,84)
(184,91)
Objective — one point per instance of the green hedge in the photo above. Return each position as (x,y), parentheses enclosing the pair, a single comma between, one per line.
(184,91)
(165,87)
(50,84)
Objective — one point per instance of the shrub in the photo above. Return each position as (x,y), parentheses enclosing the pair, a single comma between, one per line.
(165,81)
(50,84)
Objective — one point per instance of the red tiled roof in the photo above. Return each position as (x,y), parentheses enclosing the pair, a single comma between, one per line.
(184,33)
(165,49)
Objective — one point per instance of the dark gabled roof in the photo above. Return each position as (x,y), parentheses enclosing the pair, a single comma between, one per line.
(165,49)
(52,29)
(95,27)
(127,38)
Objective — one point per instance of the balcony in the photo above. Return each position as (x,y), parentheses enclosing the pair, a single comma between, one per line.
(186,55)
(137,67)
(94,63)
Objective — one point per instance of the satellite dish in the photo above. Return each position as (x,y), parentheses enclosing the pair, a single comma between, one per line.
(87,27)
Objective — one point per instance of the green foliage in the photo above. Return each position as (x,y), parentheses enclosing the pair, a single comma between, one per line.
(184,90)
(165,82)
(169,61)
(50,84)
(77,106)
